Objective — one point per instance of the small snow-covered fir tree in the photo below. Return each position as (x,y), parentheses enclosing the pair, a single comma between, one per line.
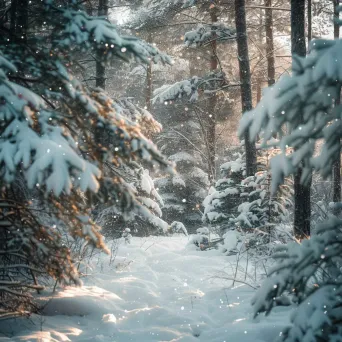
(184,192)
(243,202)
(221,205)
(52,130)
(263,208)
(311,271)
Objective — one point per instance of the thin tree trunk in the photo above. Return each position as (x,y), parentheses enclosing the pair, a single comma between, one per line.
(13,14)
(337,165)
(245,79)
(302,210)
(260,75)
(21,26)
(212,106)
(259,89)
(148,89)
(269,43)
(100,68)
(309,21)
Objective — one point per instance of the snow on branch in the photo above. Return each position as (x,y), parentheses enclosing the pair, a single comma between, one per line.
(155,13)
(99,34)
(143,117)
(310,272)
(303,101)
(204,34)
(190,88)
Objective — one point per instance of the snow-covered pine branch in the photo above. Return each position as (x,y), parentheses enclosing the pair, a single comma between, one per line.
(303,101)
(76,27)
(142,116)
(310,273)
(204,34)
(178,90)
(190,89)
(155,13)
(52,136)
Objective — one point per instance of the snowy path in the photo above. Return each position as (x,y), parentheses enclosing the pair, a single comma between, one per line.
(156,291)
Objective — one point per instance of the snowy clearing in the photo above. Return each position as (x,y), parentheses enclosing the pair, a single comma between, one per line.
(157,289)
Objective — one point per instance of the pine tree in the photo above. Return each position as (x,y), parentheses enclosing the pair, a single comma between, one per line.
(310,271)
(221,205)
(51,129)
(245,202)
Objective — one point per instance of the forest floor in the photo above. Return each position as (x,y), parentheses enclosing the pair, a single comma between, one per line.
(156,289)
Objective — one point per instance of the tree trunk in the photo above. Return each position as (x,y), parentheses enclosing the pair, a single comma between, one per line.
(100,68)
(302,210)
(260,73)
(211,119)
(337,165)
(21,20)
(269,43)
(245,79)
(13,14)
(309,21)
(148,89)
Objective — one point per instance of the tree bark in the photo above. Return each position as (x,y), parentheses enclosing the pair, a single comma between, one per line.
(100,68)
(309,21)
(245,79)
(211,119)
(13,14)
(302,210)
(148,89)
(269,43)
(21,26)
(337,165)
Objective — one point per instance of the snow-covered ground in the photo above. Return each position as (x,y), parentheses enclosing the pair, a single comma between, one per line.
(157,289)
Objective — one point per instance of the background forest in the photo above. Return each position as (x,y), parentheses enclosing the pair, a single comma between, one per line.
(213,127)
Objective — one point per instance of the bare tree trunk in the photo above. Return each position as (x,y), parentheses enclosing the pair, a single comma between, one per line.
(148,89)
(337,165)
(310,21)
(13,14)
(260,75)
(212,106)
(302,210)
(269,43)
(245,79)
(100,68)
(21,26)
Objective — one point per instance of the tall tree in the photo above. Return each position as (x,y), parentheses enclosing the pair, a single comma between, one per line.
(212,102)
(310,271)
(148,89)
(309,14)
(100,68)
(269,42)
(337,165)
(302,207)
(245,79)
(51,128)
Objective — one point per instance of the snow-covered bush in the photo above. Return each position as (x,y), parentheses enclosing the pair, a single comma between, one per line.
(230,242)
(178,227)
(127,235)
(200,239)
